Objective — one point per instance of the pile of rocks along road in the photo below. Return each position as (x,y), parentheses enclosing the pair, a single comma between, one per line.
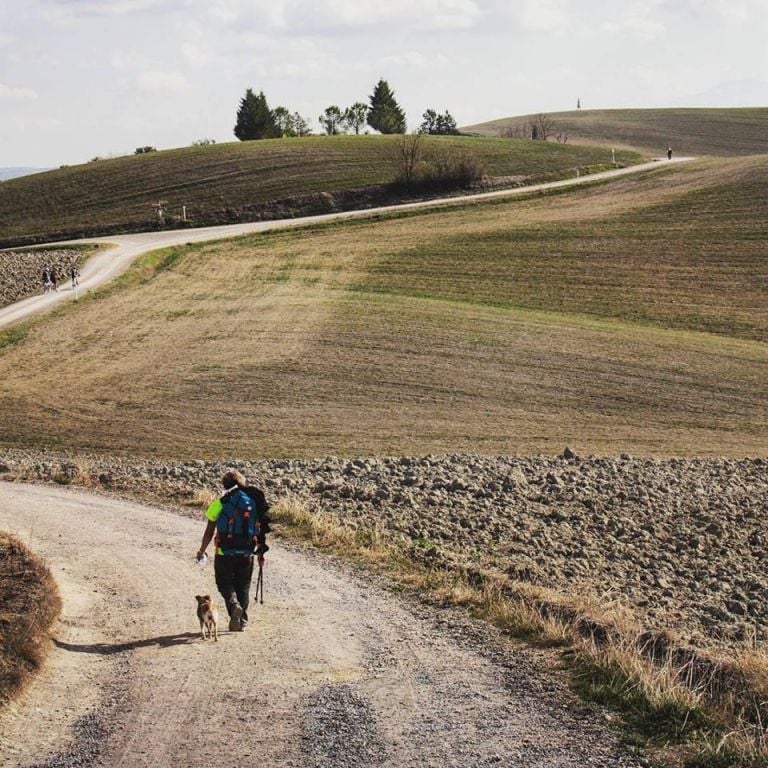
(21,271)
(683,542)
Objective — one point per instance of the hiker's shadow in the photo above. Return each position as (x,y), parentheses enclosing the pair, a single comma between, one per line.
(107,649)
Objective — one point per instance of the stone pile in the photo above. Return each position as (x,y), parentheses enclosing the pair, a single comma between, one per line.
(682,542)
(21,272)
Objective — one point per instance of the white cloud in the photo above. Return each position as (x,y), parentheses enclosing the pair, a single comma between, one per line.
(729,10)
(330,14)
(415,60)
(155,80)
(538,15)
(63,11)
(124,61)
(643,29)
(441,14)
(7,93)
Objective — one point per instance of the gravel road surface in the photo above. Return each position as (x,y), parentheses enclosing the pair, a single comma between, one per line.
(333,671)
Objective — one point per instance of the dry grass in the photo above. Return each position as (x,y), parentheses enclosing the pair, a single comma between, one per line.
(29,604)
(721,132)
(350,339)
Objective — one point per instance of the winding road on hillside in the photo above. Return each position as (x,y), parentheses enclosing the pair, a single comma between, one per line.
(334,670)
(110,263)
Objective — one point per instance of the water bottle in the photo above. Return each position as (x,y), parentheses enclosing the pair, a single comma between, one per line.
(202,560)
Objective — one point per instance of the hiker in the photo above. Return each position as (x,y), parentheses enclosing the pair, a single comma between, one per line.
(238,519)
(54,279)
(46,280)
(669,153)
(74,273)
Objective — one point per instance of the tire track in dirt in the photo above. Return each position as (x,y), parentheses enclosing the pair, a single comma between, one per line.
(333,671)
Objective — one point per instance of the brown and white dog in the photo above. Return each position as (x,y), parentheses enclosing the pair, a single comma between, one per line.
(209,617)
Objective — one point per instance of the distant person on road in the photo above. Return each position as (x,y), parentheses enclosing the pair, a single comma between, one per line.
(46,279)
(74,273)
(669,153)
(54,279)
(239,523)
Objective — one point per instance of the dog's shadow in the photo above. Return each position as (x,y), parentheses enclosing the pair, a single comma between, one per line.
(107,649)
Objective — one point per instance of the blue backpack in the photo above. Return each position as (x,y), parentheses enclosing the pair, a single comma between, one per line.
(238,525)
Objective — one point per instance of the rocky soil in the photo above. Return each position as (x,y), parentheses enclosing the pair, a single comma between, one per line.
(681,542)
(21,272)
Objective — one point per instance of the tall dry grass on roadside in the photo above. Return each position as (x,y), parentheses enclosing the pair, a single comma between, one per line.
(688,710)
(26,614)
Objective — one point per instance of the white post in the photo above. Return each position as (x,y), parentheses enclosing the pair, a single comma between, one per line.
(577,173)
(183,212)
(613,156)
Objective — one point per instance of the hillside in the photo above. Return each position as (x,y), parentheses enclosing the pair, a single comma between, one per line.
(246,181)
(722,132)
(628,316)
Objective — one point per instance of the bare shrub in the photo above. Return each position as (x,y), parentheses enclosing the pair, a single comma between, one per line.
(545,126)
(518,130)
(409,156)
(453,169)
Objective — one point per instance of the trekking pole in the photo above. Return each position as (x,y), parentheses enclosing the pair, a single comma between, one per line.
(260,582)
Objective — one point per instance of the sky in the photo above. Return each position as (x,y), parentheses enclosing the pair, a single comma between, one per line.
(87,78)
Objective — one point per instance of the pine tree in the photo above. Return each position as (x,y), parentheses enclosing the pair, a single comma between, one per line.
(439,125)
(332,120)
(255,119)
(356,116)
(386,115)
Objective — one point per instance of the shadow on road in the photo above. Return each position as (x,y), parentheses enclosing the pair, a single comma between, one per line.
(105,649)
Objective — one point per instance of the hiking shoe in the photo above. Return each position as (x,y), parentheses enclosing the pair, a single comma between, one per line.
(234,618)
(243,624)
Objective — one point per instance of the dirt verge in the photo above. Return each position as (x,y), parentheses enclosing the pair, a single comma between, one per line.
(333,670)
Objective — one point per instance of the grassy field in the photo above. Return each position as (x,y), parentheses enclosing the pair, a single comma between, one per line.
(629,316)
(243,180)
(722,132)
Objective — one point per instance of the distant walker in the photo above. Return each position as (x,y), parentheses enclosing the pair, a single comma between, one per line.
(669,153)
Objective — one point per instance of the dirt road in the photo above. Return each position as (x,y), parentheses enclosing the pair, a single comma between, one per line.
(105,266)
(334,671)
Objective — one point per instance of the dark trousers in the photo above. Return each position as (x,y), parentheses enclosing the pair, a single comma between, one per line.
(233,579)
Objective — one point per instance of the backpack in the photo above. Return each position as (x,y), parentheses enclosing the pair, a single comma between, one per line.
(238,527)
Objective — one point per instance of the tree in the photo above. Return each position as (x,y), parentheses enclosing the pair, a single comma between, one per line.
(438,125)
(544,125)
(356,116)
(283,121)
(332,120)
(254,118)
(301,125)
(428,122)
(409,156)
(385,114)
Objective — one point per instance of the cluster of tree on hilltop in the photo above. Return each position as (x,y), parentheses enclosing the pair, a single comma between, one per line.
(255,120)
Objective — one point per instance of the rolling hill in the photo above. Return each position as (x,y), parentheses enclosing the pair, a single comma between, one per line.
(721,132)
(622,317)
(224,183)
